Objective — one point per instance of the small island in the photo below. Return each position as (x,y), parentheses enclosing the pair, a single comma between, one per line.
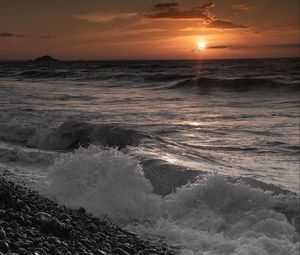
(45,59)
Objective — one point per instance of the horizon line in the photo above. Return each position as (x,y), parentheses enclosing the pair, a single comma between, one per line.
(158,59)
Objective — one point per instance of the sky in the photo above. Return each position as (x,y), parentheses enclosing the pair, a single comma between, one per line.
(147,29)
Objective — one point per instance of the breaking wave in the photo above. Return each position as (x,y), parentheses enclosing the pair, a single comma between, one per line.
(206,85)
(69,135)
(211,216)
(72,134)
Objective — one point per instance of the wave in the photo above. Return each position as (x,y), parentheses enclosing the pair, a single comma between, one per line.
(72,134)
(16,132)
(206,85)
(165,177)
(43,74)
(166,77)
(121,76)
(79,75)
(211,216)
(21,155)
(69,135)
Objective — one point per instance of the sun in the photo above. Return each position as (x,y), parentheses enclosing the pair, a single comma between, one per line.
(201,45)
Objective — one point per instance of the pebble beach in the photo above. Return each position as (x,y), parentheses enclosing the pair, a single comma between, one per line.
(31,224)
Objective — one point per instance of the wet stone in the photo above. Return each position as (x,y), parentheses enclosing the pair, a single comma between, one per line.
(53,240)
(39,251)
(4,247)
(119,251)
(2,234)
(125,247)
(2,214)
(99,252)
(26,209)
(22,251)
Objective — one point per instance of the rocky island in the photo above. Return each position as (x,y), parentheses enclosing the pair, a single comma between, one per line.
(45,59)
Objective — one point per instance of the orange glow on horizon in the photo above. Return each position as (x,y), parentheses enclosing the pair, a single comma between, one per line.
(135,30)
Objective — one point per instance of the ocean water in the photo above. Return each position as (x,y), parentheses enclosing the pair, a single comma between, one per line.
(201,154)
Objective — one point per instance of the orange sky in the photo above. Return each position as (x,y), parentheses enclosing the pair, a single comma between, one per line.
(135,29)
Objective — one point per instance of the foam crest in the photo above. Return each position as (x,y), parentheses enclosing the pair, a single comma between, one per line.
(217,217)
(212,216)
(105,182)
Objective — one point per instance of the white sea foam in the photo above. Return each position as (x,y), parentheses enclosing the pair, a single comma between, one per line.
(105,182)
(210,217)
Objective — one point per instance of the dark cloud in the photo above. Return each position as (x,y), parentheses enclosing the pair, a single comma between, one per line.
(224,24)
(165,5)
(202,13)
(24,36)
(232,47)
(285,46)
(172,11)
(275,46)
(12,35)
(229,47)
(219,47)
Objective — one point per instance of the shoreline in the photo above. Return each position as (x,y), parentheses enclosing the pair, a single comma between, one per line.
(33,224)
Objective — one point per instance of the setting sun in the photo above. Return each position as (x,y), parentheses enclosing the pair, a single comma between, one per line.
(201,45)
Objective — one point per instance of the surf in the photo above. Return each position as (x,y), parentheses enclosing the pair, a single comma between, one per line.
(209,216)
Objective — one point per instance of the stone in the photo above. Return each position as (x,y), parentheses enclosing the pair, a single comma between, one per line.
(53,240)
(2,214)
(26,209)
(99,252)
(65,216)
(119,251)
(39,251)
(2,234)
(4,247)
(125,247)
(22,251)
(43,216)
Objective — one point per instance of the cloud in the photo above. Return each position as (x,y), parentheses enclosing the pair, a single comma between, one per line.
(274,46)
(24,36)
(285,46)
(100,17)
(165,5)
(139,31)
(242,7)
(224,24)
(232,47)
(172,11)
(219,47)
(12,35)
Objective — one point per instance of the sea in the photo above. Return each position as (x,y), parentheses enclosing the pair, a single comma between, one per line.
(200,154)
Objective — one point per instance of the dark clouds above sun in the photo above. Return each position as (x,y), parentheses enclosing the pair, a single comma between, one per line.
(134,29)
